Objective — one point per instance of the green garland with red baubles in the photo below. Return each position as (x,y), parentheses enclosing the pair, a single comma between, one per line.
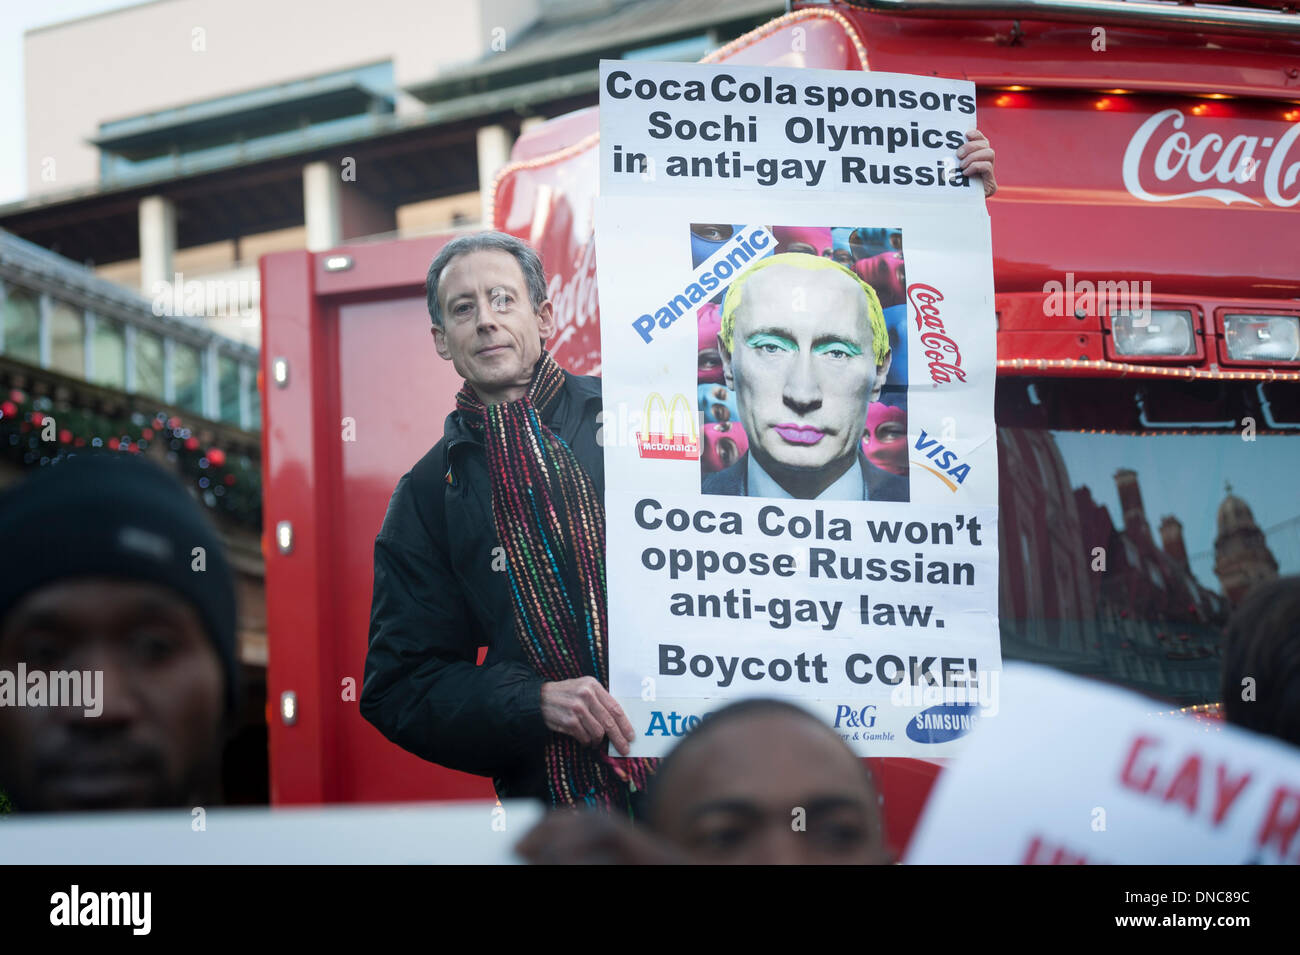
(227,483)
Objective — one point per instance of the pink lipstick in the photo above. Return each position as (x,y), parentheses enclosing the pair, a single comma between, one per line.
(799,433)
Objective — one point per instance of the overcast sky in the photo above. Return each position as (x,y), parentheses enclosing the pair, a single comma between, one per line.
(17,18)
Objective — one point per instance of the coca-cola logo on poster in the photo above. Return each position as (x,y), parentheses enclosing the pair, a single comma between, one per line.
(944,355)
(1245,167)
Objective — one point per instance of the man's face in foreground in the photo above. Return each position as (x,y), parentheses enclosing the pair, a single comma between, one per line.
(803,370)
(491,334)
(156,741)
(735,796)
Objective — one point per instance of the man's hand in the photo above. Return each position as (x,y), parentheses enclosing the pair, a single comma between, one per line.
(568,837)
(583,709)
(977,160)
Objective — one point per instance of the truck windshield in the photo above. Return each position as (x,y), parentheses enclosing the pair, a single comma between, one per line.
(1135,515)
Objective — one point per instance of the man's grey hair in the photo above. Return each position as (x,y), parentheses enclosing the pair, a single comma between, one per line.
(529,262)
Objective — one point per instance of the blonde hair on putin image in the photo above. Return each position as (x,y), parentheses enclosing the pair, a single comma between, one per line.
(801,260)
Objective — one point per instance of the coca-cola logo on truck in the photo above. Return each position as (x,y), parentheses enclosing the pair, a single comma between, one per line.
(572,292)
(1165,156)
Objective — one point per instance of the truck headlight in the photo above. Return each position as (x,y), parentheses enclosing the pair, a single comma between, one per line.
(1262,337)
(1162,332)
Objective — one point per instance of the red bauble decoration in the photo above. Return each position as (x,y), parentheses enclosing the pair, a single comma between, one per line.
(113,443)
(79,443)
(65,436)
(17,396)
(191,443)
(133,448)
(173,422)
(216,457)
(230,479)
(147,434)
(10,409)
(37,418)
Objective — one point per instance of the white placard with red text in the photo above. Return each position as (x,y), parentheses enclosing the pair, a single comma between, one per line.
(1073,771)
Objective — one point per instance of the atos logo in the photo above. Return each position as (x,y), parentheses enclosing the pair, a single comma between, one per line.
(943,723)
(672,724)
(863,718)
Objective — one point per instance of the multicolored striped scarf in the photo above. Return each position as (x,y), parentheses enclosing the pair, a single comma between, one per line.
(551,524)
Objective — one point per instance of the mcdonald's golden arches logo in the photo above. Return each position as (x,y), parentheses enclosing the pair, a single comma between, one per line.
(678,444)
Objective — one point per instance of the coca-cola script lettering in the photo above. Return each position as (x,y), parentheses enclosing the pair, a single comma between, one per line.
(573,296)
(1161,147)
(943,352)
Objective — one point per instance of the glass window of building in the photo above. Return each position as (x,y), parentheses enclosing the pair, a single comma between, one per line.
(1141,479)
(22,322)
(254,403)
(228,388)
(187,375)
(108,344)
(148,363)
(67,339)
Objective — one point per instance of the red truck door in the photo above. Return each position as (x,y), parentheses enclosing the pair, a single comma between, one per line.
(363,397)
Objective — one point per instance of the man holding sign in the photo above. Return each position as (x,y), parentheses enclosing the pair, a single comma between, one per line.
(517,474)
(496,538)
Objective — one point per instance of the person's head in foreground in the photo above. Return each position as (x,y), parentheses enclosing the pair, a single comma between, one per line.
(1261,661)
(759,782)
(101,577)
(805,347)
(765,782)
(486,295)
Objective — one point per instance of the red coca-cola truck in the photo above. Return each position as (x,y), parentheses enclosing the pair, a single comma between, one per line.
(1146,242)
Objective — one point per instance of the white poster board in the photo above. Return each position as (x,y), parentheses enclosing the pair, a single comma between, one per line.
(470,833)
(874,605)
(1074,771)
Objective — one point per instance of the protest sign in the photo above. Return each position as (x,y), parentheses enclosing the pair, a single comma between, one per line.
(798,357)
(467,833)
(1119,781)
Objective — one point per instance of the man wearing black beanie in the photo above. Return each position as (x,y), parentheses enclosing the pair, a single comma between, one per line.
(112,584)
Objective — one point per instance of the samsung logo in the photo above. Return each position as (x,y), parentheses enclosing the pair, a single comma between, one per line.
(943,723)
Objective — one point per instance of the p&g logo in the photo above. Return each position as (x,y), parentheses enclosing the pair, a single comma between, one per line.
(861,718)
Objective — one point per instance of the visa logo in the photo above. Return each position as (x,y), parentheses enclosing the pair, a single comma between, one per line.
(947,468)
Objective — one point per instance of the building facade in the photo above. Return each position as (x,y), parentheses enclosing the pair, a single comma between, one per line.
(171,144)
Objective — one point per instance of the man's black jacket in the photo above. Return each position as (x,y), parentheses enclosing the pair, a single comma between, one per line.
(438,598)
